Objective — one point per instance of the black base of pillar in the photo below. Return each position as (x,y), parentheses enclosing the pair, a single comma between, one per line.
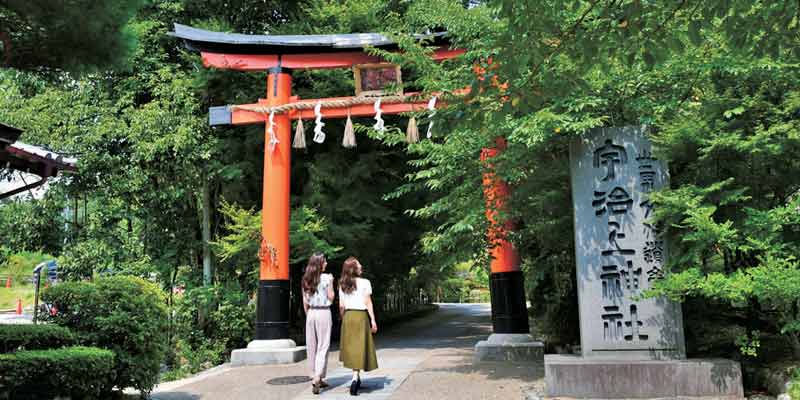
(509,312)
(272,310)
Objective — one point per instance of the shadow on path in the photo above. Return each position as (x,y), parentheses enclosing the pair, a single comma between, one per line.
(428,357)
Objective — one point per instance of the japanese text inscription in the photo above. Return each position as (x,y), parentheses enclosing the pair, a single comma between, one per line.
(619,251)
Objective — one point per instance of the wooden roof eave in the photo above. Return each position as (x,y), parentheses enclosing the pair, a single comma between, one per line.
(8,135)
(35,160)
(261,52)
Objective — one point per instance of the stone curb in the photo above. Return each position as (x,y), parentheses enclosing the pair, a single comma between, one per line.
(172,385)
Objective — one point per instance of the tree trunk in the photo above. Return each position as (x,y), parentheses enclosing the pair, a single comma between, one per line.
(206,233)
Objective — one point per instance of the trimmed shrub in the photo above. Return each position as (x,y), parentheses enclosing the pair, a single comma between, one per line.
(124,314)
(217,314)
(79,372)
(34,337)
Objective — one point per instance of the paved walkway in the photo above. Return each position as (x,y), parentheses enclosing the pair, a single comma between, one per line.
(14,318)
(426,358)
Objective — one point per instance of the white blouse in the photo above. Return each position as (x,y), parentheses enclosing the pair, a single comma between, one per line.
(320,297)
(357,299)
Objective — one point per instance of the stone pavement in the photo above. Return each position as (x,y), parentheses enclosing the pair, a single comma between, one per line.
(426,358)
(14,318)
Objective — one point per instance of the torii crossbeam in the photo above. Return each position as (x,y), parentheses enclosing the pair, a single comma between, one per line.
(279,55)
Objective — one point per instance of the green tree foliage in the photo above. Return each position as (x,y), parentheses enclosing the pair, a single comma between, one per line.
(147,154)
(732,212)
(33,225)
(714,80)
(62,34)
(209,323)
(584,64)
(238,246)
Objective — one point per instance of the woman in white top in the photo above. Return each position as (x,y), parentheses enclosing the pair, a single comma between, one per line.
(358,322)
(317,299)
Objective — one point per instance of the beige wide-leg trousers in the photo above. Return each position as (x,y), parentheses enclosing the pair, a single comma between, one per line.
(318,340)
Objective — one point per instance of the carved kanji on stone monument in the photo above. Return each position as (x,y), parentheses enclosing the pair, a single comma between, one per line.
(619,250)
(608,156)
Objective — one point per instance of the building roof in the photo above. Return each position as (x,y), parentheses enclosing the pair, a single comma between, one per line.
(8,135)
(237,43)
(38,155)
(28,158)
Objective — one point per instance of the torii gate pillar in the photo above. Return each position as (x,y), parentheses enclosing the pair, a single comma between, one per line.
(274,52)
(272,344)
(511,339)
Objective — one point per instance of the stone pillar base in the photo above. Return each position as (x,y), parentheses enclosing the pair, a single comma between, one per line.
(263,352)
(519,347)
(591,378)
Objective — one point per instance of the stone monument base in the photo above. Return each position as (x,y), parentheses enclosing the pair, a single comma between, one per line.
(590,378)
(510,347)
(261,352)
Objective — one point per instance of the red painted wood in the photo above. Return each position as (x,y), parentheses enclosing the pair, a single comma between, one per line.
(242,62)
(361,110)
(276,188)
(495,192)
(262,62)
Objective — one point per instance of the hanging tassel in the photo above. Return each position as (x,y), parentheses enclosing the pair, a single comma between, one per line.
(273,139)
(379,125)
(299,136)
(412,132)
(432,109)
(319,135)
(349,139)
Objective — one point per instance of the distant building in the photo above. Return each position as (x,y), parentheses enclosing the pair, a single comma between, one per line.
(25,168)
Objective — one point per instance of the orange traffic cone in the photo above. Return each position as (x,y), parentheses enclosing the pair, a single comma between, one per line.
(8,283)
(19,306)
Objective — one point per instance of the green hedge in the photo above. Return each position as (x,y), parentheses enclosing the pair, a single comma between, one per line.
(34,337)
(79,372)
(124,314)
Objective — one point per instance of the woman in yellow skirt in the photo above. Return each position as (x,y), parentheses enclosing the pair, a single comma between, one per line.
(357,349)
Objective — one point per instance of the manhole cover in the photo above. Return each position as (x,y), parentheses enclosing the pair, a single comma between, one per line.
(289,380)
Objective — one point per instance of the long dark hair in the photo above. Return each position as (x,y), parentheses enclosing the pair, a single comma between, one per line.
(312,273)
(347,283)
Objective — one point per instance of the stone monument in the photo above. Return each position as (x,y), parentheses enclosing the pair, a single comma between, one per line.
(631,347)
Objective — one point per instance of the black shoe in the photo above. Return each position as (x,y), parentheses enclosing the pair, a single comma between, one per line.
(315,388)
(354,388)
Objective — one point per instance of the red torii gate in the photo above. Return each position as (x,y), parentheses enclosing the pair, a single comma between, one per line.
(279,55)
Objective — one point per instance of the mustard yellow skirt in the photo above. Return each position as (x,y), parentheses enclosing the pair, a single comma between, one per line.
(357,349)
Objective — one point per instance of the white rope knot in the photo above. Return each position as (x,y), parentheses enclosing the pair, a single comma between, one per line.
(379,126)
(273,139)
(432,109)
(319,135)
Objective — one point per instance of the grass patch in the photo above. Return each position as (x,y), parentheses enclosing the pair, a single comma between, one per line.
(8,297)
(20,265)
